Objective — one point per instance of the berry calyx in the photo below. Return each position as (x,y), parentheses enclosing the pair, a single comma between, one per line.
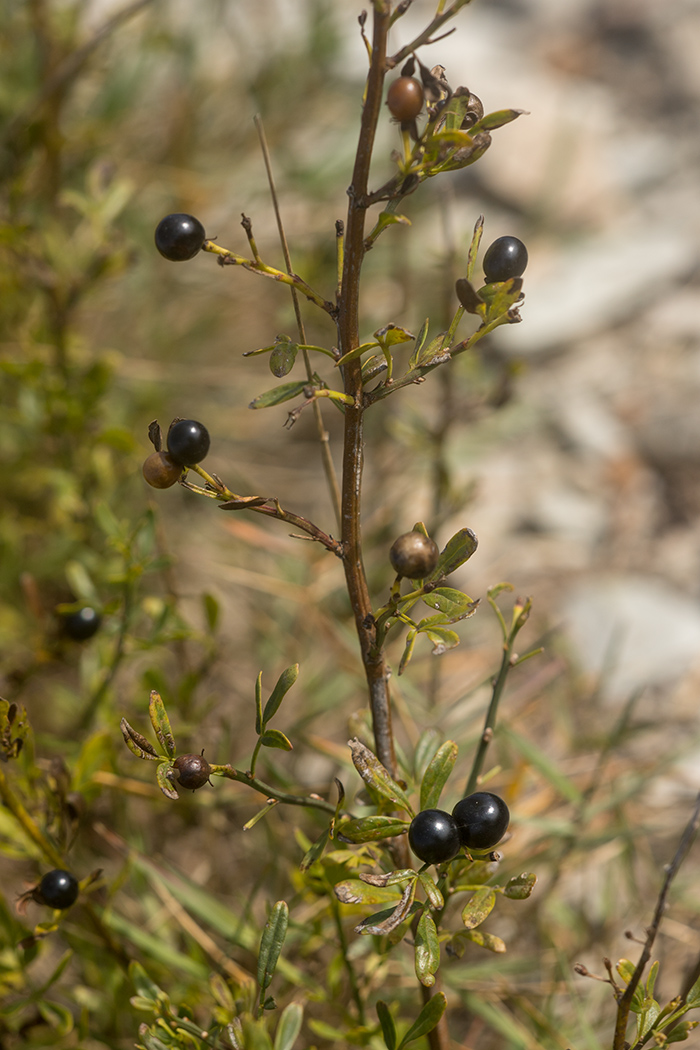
(58,889)
(161,471)
(482,820)
(193,771)
(188,442)
(179,237)
(405,98)
(433,836)
(82,624)
(414,555)
(505,258)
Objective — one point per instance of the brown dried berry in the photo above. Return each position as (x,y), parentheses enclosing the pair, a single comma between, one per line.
(161,471)
(414,555)
(405,98)
(192,771)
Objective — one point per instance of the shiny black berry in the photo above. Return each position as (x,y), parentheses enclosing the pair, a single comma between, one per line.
(179,237)
(405,98)
(160,471)
(433,836)
(414,555)
(506,257)
(482,820)
(82,624)
(188,442)
(193,771)
(58,889)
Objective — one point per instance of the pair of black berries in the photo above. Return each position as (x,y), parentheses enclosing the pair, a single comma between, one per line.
(478,822)
(180,237)
(188,443)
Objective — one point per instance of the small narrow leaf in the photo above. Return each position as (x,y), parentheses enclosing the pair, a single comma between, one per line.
(408,650)
(371,829)
(435,897)
(138,744)
(437,774)
(395,917)
(284,683)
(270,804)
(276,738)
(497,120)
(289,1026)
(457,550)
(271,943)
(258,704)
(426,950)
(161,723)
(355,891)
(392,335)
(385,219)
(427,1019)
(315,851)
(278,394)
(390,878)
(357,352)
(692,999)
(520,886)
(387,1025)
(479,907)
(164,782)
(212,610)
(421,339)
(375,775)
(484,940)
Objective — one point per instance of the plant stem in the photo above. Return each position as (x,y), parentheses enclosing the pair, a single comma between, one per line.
(490,721)
(265,789)
(374,663)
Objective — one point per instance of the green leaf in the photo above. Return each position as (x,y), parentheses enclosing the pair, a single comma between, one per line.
(478,909)
(357,352)
(647,1018)
(371,829)
(435,897)
(315,851)
(451,602)
(387,1024)
(57,1016)
(289,1026)
(442,638)
(457,550)
(437,774)
(80,583)
(520,886)
(258,704)
(496,120)
(276,738)
(375,775)
(392,335)
(435,352)
(386,922)
(271,943)
(137,744)
(284,683)
(355,891)
(283,356)
(426,950)
(161,723)
(484,940)
(428,743)
(212,611)
(143,984)
(651,979)
(164,782)
(420,343)
(692,999)
(427,1019)
(278,394)
(385,219)
(680,1033)
(408,650)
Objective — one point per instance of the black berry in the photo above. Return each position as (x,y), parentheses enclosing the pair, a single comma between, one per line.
(414,555)
(82,624)
(179,237)
(433,836)
(193,771)
(161,471)
(482,820)
(405,98)
(188,442)
(58,889)
(506,257)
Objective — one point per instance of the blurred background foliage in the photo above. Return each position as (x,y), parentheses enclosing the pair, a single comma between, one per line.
(111,117)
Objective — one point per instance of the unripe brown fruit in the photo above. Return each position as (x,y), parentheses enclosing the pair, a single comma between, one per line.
(161,471)
(405,98)
(193,771)
(414,555)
